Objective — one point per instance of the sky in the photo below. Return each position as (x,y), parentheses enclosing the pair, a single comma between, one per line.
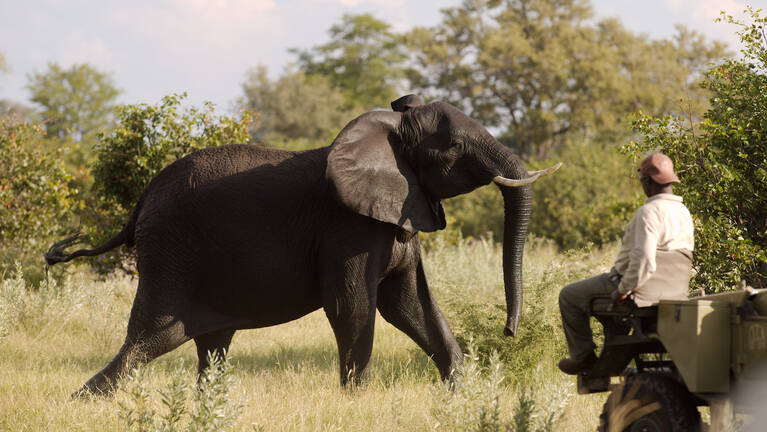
(205,47)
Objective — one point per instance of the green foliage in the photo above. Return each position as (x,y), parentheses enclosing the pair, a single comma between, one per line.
(364,60)
(12,291)
(209,407)
(544,71)
(473,401)
(77,103)
(722,165)
(34,196)
(212,409)
(589,200)
(146,139)
(478,213)
(360,69)
(9,108)
(40,307)
(476,307)
(297,111)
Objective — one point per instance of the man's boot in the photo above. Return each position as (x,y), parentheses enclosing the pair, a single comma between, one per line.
(573,367)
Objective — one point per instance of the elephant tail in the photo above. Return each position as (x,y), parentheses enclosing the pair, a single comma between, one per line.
(57,253)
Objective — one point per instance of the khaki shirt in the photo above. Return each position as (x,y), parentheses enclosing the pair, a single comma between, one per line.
(656,255)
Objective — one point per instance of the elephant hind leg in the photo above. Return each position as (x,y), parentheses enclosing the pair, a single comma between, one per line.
(152,331)
(135,350)
(404,300)
(216,343)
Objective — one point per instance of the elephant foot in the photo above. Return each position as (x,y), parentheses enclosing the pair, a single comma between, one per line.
(98,386)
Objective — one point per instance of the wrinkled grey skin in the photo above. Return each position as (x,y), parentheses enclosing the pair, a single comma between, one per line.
(242,236)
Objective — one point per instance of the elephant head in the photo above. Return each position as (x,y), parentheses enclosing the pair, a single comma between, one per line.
(396,166)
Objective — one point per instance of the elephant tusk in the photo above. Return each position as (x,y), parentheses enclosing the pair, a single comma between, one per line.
(547,171)
(515,183)
(533,176)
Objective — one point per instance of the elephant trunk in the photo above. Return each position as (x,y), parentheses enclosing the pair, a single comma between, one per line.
(517,203)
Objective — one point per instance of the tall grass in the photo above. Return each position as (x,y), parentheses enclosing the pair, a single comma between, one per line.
(286,377)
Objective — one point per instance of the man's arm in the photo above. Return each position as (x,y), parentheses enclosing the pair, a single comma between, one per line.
(642,254)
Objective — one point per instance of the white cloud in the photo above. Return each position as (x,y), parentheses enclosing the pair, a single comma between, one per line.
(709,9)
(674,5)
(395,12)
(360,2)
(79,48)
(203,28)
(225,10)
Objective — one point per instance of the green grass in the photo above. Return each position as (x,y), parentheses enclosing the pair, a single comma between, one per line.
(286,377)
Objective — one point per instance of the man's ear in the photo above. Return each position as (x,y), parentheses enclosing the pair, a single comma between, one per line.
(369,176)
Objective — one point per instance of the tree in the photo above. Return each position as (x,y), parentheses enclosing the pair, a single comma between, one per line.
(3,64)
(722,165)
(146,139)
(34,195)
(364,60)
(10,108)
(295,108)
(590,199)
(542,74)
(77,103)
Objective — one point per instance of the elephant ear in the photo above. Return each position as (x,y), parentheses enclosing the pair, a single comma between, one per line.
(406,102)
(370,177)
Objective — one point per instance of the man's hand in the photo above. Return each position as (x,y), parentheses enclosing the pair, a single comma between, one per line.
(618,297)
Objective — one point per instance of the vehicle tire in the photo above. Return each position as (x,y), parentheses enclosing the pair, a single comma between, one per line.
(650,402)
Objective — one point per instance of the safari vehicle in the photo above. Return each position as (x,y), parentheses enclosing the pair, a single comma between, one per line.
(709,350)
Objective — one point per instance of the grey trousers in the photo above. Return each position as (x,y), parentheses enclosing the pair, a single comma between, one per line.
(573,305)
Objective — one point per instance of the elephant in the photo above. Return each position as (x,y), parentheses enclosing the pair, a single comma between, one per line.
(246,236)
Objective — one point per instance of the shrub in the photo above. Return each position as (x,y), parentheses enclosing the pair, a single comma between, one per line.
(473,402)
(589,200)
(468,281)
(209,407)
(147,138)
(11,301)
(34,196)
(722,165)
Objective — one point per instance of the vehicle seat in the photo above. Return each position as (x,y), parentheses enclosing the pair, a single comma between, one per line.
(622,318)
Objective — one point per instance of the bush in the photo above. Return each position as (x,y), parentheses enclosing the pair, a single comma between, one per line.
(473,402)
(34,196)
(212,407)
(468,277)
(148,138)
(478,213)
(588,201)
(722,165)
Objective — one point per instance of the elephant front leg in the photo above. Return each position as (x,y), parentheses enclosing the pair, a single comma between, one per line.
(351,313)
(353,325)
(404,300)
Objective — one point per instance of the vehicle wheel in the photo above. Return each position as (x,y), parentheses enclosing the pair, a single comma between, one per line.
(649,402)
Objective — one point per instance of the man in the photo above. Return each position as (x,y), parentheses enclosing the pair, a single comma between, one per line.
(654,262)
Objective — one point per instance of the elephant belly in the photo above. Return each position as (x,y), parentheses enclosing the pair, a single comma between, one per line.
(260,294)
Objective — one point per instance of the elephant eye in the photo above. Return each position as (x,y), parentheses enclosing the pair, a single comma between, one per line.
(459,144)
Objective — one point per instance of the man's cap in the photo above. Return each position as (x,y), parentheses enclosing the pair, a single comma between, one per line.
(659,168)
